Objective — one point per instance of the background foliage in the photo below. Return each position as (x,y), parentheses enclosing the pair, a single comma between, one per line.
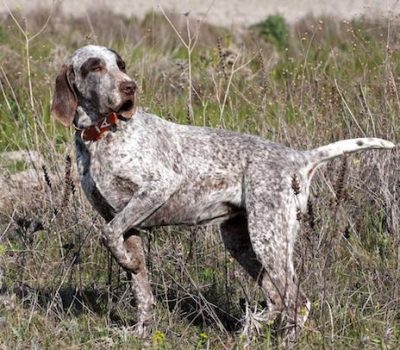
(315,82)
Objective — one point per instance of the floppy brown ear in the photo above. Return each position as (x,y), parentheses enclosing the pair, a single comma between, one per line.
(65,102)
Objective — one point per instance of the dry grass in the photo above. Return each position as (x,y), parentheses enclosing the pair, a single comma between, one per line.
(333,80)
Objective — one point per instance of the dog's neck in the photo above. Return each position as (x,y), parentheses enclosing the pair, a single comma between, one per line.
(85,119)
(97,131)
(91,128)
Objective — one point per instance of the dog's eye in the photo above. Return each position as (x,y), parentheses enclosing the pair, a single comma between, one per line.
(121,65)
(97,69)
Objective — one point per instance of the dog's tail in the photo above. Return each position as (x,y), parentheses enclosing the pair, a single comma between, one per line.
(323,154)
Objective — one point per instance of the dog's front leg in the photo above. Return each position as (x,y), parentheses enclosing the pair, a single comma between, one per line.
(126,245)
(139,281)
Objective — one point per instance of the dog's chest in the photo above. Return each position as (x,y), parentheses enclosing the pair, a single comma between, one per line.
(106,191)
(86,163)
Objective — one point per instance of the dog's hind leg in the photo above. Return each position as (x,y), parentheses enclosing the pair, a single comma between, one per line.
(273,225)
(235,235)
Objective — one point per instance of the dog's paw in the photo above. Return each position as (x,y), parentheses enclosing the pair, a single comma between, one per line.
(253,323)
(141,330)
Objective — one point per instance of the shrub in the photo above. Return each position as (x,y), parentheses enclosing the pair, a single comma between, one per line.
(274,29)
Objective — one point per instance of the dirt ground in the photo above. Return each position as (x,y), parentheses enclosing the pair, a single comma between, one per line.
(223,12)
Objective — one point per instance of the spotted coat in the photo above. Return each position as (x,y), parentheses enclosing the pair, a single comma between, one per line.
(149,172)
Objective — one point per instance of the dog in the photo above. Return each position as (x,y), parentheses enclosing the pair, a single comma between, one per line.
(140,171)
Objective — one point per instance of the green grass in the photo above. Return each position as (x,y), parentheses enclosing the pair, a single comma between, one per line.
(326,80)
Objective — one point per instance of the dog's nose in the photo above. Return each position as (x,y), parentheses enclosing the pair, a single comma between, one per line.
(128,87)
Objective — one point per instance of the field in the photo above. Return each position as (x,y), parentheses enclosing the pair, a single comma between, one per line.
(311,83)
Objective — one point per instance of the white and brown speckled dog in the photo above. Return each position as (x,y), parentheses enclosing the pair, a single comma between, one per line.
(140,171)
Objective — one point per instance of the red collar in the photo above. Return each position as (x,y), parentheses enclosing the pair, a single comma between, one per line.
(95,132)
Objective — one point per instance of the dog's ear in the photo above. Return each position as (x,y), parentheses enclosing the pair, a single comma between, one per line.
(65,102)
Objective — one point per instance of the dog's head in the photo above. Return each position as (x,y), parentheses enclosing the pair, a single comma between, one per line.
(95,80)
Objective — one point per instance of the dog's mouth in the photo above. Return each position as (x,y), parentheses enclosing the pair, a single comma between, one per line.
(126,109)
